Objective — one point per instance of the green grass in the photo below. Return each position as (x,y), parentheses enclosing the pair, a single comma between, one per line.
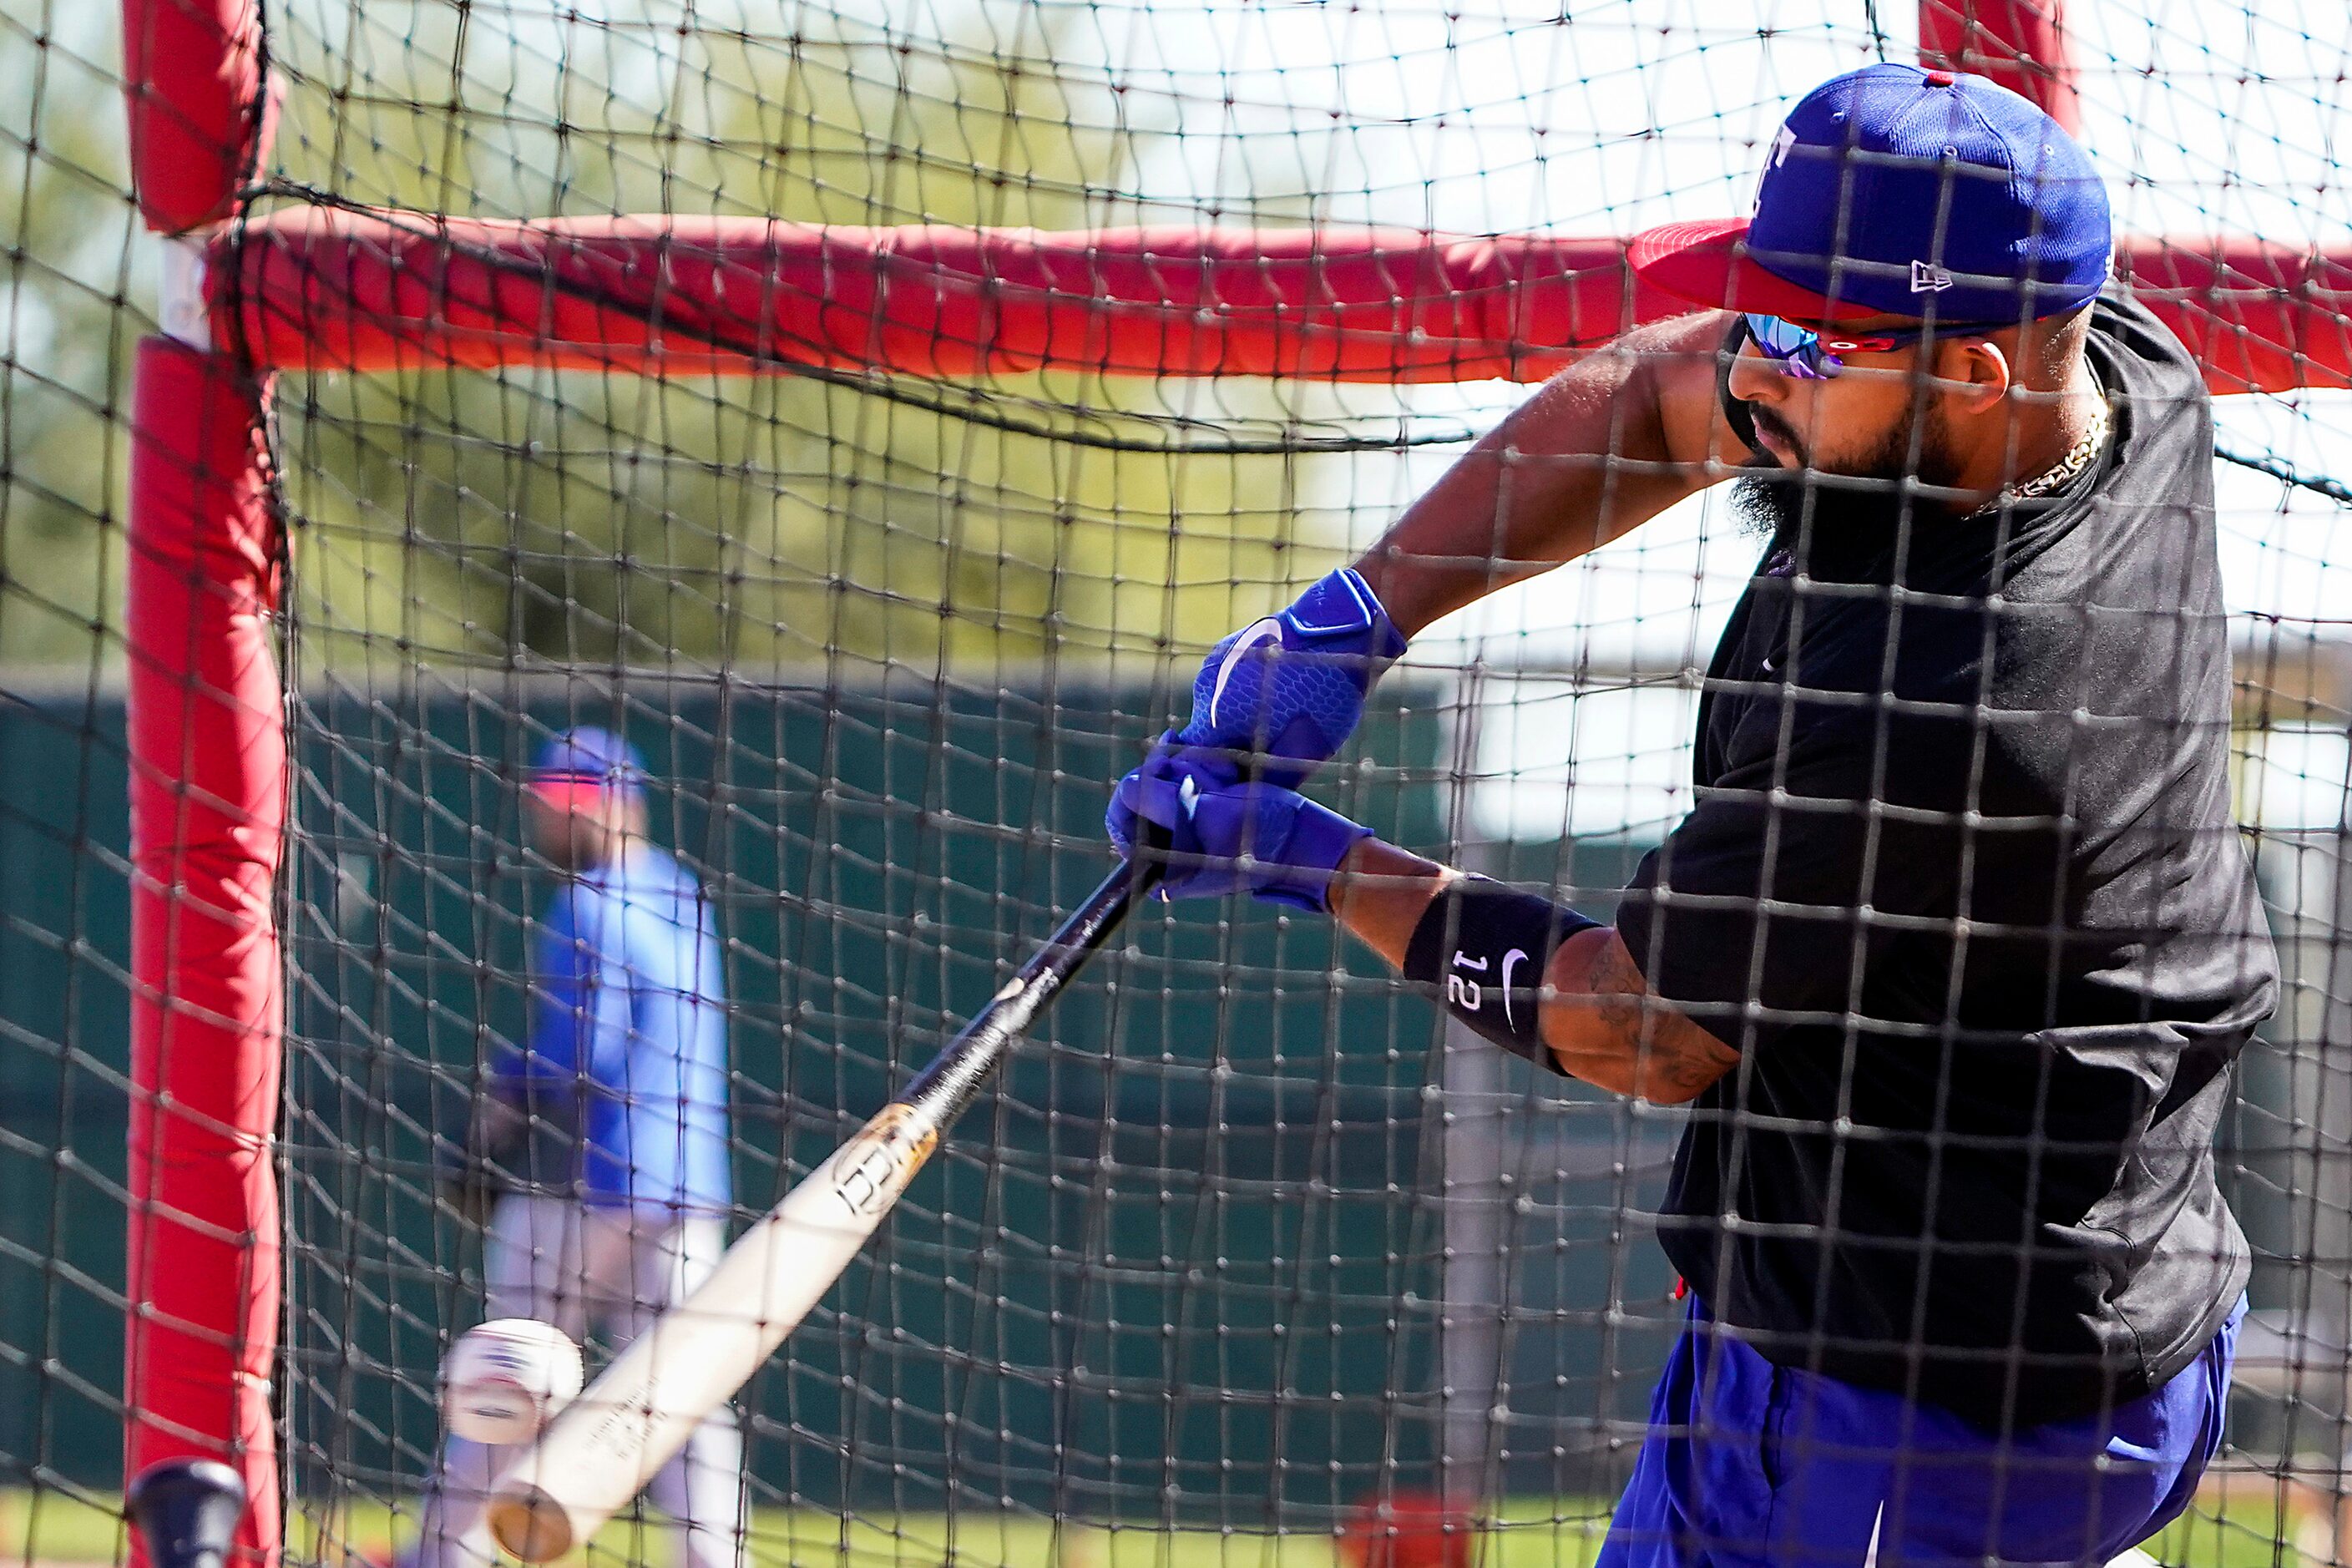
(2250,1522)
(2249,1519)
(56,1527)
(52,1527)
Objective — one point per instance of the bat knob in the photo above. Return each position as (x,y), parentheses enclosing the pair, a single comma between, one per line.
(186,1510)
(531,1525)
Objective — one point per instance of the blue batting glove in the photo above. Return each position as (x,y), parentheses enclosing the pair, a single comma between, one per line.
(1285,692)
(1281,695)
(1278,697)
(1229,836)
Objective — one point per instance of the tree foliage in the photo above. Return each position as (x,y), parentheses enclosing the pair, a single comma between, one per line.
(692,521)
(72,280)
(680,520)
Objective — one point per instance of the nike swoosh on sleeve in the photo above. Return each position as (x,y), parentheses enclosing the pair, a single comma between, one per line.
(1517,955)
(1268,630)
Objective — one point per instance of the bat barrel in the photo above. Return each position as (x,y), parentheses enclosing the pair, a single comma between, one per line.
(186,1510)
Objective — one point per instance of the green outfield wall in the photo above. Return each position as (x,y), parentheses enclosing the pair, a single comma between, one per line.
(1186,1257)
(1184,1263)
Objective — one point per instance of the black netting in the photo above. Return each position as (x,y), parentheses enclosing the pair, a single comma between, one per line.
(1244,1234)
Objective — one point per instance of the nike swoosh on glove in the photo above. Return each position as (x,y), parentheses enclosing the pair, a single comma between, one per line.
(1282,694)
(1285,692)
(1228,836)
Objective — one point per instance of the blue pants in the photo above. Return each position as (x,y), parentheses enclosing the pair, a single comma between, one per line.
(1752,1464)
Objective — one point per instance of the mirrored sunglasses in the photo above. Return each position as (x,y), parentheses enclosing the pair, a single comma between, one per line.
(1811,354)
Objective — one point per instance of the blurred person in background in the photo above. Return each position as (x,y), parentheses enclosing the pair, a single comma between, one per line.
(607,1131)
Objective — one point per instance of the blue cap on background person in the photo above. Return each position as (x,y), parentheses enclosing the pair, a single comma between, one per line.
(1894,190)
(585,759)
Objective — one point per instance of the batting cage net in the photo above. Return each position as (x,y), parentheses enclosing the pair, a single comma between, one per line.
(859,421)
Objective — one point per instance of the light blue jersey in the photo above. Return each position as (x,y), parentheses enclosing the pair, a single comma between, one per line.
(626,1061)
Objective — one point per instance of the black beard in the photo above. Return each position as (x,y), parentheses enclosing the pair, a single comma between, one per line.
(1841,525)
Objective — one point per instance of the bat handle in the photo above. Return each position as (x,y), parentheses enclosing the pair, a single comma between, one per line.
(1144,873)
(186,1510)
(940,1092)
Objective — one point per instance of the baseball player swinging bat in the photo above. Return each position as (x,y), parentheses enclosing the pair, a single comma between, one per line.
(603,1446)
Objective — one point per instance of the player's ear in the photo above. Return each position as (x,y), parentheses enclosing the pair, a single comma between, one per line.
(1976,372)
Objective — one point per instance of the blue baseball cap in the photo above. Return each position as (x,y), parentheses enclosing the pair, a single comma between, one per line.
(1894,190)
(587,758)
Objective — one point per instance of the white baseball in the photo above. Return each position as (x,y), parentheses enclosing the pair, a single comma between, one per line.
(504,1380)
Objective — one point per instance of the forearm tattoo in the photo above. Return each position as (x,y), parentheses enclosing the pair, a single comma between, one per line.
(1606,1027)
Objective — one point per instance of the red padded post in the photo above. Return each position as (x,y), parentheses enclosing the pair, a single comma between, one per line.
(208,776)
(199,113)
(208,747)
(2020,43)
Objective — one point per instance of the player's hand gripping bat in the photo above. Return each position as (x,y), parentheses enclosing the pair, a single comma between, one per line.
(602,1448)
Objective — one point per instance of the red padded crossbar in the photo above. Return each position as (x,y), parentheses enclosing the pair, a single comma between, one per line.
(318,289)
(323,290)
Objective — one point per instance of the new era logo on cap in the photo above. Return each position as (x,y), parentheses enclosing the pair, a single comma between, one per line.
(1928,278)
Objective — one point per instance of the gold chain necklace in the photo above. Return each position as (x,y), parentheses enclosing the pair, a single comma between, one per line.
(2079,456)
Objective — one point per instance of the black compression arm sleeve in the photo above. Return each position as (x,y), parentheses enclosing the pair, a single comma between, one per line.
(1483,948)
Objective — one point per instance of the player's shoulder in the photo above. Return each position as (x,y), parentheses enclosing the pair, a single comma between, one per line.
(655,883)
(651,866)
(2139,358)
